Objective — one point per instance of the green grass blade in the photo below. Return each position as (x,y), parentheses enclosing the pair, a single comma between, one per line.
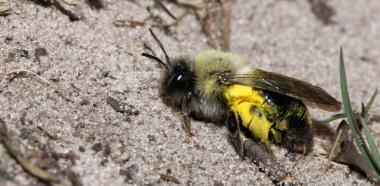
(363,112)
(369,105)
(350,114)
(371,142)
(333,118)
(345,95)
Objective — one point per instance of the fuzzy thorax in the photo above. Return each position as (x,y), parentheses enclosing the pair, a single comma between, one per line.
(208,67)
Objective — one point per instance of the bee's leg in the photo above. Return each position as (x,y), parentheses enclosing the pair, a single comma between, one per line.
(268,146)
(186,124)
(185,118)
(259,155)
(257,152)
(233,122)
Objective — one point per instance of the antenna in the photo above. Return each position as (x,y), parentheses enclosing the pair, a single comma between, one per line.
(161,46)
(155,58)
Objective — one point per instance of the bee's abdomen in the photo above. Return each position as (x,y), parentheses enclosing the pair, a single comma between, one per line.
(272,117)
(280,107)
(291,122)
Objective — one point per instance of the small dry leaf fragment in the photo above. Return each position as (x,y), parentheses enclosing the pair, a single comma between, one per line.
(116,105)
(124,108)
(5,7)
(130,23)
(191,3)
(347,153)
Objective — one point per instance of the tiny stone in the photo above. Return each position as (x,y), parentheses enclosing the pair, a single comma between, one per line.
(97,147)
(81,149)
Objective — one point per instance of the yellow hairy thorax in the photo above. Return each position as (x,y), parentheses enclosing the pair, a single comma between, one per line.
(248,103)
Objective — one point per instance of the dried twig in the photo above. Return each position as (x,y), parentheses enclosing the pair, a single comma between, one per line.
(135,23)
(225,27)
(170,178)
(209,24)
(47,133)
(332,152)
(17,71)
(74,13)
(66,7)
(197,4)
(159,3)
(179,18)
(26,165)
(130,23)
(214,22)
(337,165)
(56,89)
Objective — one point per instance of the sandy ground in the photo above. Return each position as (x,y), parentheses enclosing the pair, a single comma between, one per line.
(91,59)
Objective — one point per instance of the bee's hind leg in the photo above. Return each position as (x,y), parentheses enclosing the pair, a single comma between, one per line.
(259,155)
(233,122)
(257,152)
(244,148)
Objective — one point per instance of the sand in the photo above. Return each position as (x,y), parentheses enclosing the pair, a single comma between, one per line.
(91,59)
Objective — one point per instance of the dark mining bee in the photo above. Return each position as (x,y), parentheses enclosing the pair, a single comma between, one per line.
(220,87)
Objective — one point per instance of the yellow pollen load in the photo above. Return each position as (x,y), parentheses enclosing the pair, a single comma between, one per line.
(248,104)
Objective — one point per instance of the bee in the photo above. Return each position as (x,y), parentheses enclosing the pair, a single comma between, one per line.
(220,87)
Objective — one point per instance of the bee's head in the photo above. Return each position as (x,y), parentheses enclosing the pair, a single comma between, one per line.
(177,79)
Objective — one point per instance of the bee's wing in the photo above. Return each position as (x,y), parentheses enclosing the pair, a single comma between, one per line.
(310,94)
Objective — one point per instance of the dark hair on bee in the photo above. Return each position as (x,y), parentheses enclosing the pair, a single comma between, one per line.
(177,80)
(165,65)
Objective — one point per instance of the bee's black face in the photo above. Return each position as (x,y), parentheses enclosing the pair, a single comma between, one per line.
(180,78)
(177,82)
